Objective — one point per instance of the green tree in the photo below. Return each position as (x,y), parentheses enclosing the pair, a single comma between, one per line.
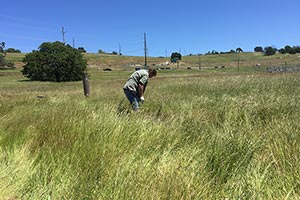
(175,57)
(2,46)
(282,51)
(12,50)
(238,50)
(54,62)
(81,49)
(258,49)
(100,51)
(297,49)
(290,50)
(270,51)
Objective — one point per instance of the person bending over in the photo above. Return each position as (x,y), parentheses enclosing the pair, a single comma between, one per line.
(135,86)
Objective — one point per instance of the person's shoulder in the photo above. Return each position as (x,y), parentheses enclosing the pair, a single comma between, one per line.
(144,71)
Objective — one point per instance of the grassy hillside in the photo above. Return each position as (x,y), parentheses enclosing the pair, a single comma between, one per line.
(201,134)
(247,59)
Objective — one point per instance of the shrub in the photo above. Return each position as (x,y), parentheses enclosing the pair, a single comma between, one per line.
(54,62)
(270,51)
(12,50)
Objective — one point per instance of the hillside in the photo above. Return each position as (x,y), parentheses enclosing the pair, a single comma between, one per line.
(247,59)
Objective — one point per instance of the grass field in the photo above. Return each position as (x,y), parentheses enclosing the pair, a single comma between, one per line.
(201,134)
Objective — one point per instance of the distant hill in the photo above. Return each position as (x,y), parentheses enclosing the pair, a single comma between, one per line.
(246,59)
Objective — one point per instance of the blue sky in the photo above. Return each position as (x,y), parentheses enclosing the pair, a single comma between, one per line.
(190,26)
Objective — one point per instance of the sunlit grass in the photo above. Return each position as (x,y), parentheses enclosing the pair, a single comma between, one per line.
(203,137)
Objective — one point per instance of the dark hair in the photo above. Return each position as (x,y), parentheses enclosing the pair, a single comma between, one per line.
(153,72)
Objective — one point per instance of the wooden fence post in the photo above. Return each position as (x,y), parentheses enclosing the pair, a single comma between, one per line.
(86,85)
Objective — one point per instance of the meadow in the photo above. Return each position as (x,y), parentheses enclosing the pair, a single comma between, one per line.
(201,134)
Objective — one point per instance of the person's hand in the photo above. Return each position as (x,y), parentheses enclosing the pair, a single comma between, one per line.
(142,99)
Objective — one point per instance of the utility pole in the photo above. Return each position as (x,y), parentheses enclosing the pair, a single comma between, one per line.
(145,49)
(119,49)
(86,85)
(73,43)
(63,34)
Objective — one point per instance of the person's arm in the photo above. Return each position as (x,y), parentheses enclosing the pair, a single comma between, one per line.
(141,90)
(142,85)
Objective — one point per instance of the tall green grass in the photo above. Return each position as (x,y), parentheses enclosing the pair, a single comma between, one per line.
(209,137)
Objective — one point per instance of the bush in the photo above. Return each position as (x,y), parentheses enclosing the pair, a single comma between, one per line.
(270,51)
(12,50)
(54,62)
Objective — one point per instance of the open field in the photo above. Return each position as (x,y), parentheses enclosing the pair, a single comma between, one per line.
(201,134)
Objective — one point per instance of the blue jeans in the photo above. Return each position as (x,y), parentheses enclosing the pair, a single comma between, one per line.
(133,99)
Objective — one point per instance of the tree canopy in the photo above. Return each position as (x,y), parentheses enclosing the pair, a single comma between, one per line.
(270,51)
(258,49)
(2,46)
(175,56)
(12,50)
(81,49)
(239,49)
(54,62)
